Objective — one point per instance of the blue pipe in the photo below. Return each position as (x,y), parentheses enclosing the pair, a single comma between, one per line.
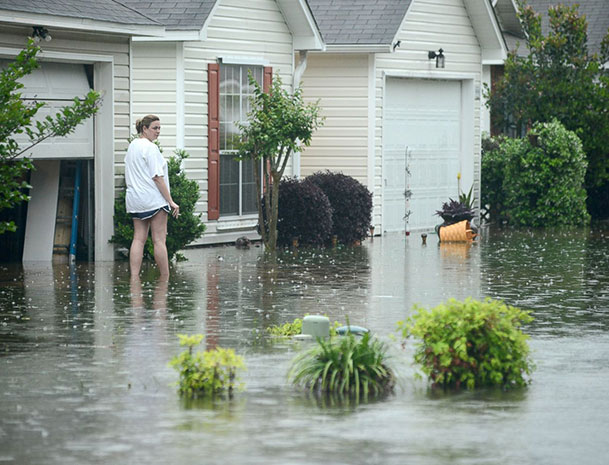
(75,204)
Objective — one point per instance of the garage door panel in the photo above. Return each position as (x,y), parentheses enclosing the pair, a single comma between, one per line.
(56,85)
(422,131)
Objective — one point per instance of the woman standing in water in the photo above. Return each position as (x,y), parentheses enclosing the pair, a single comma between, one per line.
(148,198)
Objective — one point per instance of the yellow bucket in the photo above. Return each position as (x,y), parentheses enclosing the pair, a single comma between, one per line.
(458,232)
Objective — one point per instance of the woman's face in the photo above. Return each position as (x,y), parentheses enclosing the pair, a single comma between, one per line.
(152,132)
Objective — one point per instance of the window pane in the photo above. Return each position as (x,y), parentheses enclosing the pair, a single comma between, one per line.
(229,185)
(249,188)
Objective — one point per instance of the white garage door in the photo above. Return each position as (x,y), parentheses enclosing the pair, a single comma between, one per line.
(56,84)
(422,134)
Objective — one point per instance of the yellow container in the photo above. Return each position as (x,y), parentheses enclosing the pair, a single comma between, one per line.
(458,232)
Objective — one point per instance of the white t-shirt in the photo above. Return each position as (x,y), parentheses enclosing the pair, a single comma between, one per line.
(142,163)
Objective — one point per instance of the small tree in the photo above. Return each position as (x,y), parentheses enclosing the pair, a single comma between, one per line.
(558,79)
(16,118)
(279,124)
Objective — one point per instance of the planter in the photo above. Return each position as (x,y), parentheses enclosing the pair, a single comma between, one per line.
(457,232)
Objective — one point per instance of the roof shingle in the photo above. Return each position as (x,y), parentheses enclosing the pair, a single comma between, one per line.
(177,15)
(349,22)
(99,10)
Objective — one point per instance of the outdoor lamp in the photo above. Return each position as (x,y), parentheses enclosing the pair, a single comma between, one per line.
(439,56)
(40,33)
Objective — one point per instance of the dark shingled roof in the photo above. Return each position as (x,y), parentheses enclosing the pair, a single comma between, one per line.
(99,10)
(175,15)
(351,22)
(596,12)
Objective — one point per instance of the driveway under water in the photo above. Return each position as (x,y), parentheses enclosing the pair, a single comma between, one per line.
(84,355)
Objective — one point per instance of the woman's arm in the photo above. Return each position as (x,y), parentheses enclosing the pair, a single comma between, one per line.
(160,184)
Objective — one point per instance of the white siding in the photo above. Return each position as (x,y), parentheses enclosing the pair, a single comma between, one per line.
(340,83)
(429,25)
(253,29)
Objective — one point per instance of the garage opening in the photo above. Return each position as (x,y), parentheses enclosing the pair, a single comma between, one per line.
(63,173)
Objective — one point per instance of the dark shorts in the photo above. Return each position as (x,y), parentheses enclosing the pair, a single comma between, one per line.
(149,214)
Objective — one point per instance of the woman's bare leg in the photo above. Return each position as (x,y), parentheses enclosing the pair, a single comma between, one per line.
(158,228)
(136,253)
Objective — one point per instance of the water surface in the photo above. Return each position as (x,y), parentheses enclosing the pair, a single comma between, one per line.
(84,355)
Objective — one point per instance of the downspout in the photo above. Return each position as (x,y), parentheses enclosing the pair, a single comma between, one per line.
(298,73)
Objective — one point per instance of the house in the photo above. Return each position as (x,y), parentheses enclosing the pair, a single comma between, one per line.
(400,86)
(195,79)
(85,45)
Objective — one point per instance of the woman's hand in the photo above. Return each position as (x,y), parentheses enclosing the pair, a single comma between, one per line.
(175,209)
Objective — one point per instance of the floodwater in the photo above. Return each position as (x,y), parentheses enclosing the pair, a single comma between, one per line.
(84,375)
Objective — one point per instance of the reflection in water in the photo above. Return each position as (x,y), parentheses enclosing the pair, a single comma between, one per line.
(84,356)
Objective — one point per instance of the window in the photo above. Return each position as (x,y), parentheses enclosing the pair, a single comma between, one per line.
(237,182)
(231,190)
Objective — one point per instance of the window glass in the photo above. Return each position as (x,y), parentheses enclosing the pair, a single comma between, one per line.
(237,184)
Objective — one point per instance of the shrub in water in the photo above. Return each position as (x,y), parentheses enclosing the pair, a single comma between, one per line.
(180,231)
(344,365)
(471,344)
(292,329)
(351,205)
(208,373)
(538,180)
(304,213)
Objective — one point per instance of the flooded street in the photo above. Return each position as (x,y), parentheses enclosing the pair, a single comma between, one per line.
(84,355)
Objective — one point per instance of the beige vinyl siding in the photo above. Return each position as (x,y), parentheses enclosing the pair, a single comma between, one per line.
(154,87)
(249,29)
(340,83)
(429,25)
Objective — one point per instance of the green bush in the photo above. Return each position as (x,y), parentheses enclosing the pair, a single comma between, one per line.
(180,231)
(344,365)
(494,161)
(471,344)
(304,213)
(208,373)
(538,180)
(295,327)
(351,203)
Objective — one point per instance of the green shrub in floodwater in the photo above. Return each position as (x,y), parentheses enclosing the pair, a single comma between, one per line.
(294,328)
(208,373)
(345,365)
(471,344)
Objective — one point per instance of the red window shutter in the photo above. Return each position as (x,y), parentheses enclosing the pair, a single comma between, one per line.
(213,141)
(267,79)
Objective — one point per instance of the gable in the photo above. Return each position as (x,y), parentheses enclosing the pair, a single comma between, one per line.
(343,22)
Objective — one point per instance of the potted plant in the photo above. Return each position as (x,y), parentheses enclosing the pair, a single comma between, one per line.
(454,211)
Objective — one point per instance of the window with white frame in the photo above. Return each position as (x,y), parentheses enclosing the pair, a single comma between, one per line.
(237,183)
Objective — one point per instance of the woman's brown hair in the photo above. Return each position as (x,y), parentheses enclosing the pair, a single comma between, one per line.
(145,122)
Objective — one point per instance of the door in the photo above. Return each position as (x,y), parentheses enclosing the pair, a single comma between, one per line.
(421,150)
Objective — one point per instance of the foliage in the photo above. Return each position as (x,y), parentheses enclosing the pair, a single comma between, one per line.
(181,230)
(17,117)
(559,79)
(208,373)
(344,365)
(539,180)
(468,199)
(351,205)
(278,125)
(454,211)
(304,212)
(471,344)
(294,328)
(493,165)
